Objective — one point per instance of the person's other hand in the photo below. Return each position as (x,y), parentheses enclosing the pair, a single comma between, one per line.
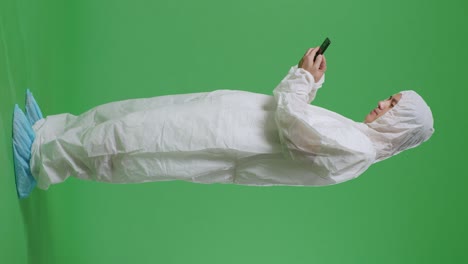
(317,68)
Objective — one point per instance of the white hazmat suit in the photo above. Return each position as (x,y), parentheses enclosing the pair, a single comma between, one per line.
(224,136)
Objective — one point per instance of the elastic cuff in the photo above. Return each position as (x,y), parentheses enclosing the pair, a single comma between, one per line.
(311,77)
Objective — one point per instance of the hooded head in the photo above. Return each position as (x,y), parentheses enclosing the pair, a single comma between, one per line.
(406,125)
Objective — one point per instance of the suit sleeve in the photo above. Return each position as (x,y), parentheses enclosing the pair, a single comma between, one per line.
(303,82)
(315,135)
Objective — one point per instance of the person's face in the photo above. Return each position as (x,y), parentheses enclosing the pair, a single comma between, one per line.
(382,107)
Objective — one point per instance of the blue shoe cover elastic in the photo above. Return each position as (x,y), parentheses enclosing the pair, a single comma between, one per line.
(33,112)
(23,137)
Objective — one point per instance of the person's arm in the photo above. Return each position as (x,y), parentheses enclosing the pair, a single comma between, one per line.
(315,135)
(293,96)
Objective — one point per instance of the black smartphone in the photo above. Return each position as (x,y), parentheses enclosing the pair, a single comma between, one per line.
(323,47)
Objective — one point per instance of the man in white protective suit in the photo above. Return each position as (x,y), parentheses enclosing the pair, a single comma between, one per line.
(228,136)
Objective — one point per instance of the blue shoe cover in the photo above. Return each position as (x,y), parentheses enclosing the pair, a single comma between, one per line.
(23,137)
(33,112)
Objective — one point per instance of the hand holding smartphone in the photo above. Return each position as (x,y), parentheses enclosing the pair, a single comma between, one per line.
(306,64)
(323,47)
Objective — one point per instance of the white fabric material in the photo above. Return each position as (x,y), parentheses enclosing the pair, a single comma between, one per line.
(407,125)
(225,136)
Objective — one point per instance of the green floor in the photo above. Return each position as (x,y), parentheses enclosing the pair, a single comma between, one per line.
(75,55)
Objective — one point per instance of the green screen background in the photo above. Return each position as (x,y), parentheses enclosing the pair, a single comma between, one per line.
(75,55)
